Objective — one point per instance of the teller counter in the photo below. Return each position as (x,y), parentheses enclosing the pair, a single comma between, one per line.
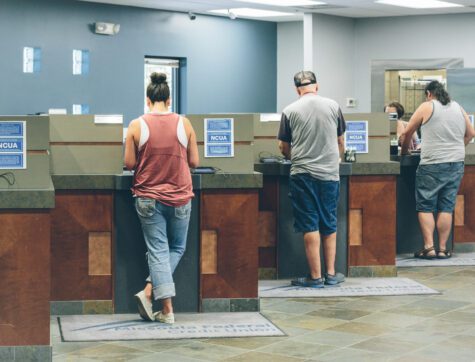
(409,236)
(26,200)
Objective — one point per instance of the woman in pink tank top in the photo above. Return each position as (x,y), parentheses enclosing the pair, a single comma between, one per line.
(161,147)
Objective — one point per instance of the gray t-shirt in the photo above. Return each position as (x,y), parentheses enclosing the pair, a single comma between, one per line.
(311,125)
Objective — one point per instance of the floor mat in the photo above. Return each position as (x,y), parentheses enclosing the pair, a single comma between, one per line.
(458,259)
(198,325)
(352,287)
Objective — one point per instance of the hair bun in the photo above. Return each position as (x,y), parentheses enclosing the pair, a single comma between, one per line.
(158,78)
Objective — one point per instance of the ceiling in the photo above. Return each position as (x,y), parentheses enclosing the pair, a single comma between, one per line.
(347,8)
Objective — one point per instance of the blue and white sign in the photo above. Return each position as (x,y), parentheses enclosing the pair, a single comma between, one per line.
(31,60)
(81,61)
(219,137)
(12,145)
(356,136)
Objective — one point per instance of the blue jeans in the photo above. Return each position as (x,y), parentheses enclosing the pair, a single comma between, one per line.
(165,230)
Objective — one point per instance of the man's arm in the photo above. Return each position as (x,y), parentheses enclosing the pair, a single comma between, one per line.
(285,137)
(284,148)
(469,131)
(422,112)
(340,133)
(130,154)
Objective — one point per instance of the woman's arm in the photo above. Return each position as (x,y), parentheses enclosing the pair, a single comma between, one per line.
(193,156)
(131,141)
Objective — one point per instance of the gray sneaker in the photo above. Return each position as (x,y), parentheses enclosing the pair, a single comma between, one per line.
(145,306)
(334,279)
(307,282)
(164,318)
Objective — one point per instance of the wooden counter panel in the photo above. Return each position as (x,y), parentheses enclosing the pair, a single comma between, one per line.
(464,230)
(233,215)
(25,277)
(267,225)
(79,218)
(372,202)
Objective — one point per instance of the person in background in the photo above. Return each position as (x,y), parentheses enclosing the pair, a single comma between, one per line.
(446,130)
(311,136)
(161,146)
(396,107)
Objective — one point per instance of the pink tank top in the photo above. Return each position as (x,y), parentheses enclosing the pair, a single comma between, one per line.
(162,171)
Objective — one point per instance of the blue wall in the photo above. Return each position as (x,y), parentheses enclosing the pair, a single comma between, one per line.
(231,65)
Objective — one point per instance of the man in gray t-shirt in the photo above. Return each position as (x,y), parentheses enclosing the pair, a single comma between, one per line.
(311,136)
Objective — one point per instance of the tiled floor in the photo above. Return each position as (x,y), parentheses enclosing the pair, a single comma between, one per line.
(405,328)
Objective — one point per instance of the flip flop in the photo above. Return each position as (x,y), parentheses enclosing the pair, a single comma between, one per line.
(424,254)
(446,254)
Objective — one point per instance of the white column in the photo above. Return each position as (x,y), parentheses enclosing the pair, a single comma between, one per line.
(308,41)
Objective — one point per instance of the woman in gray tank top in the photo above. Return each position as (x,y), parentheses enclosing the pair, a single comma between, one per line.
(446,130)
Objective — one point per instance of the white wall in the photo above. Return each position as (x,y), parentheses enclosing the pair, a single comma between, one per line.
(411,37)
(333,52)
(344,49)
(289,61)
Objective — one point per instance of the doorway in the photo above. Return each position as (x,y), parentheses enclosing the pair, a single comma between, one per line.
(169,66)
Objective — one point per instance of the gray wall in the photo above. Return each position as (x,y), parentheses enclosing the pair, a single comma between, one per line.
(231,65)
(333,51)
(344,73)
(289,61)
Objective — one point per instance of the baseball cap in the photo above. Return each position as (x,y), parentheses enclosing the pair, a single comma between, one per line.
(304,77)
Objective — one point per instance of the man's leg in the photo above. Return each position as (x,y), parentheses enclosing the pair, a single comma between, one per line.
(312,250)
(427,225)
(329,252)
(444,225)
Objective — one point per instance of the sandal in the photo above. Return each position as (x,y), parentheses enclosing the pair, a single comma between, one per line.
(424,254)
(444,254)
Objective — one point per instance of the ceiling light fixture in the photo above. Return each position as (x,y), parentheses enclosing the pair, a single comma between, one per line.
(285,2)
(419,4)
(250,13)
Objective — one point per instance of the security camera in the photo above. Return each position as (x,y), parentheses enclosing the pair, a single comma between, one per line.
(231,15)
(192,16)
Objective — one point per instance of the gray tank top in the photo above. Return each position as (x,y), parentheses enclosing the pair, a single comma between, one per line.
(443,135)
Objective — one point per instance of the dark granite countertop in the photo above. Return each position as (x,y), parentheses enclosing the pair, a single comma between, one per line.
(221,180)
(27,198)
(84,182)
(283,169)
(375,168)
(414,159)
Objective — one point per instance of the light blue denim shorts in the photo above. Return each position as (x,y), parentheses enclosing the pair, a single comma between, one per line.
(437,186)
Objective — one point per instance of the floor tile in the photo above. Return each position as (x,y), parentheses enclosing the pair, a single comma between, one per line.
(293,307)
(353,355)
(298,349)
(365,329)
(332,338)
(390,319)
(339,313)
(388,345)
(246,343)
(309,322)
(262,357)
(106,353)
(206,351)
